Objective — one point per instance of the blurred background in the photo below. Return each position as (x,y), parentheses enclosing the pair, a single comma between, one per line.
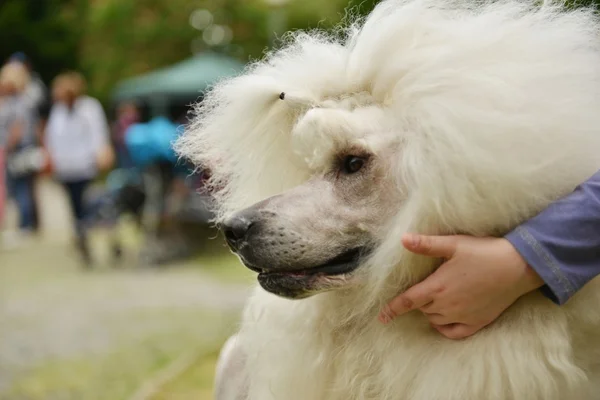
(113,283)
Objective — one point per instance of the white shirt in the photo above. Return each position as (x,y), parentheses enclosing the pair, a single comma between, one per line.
(75,138)
(35,92)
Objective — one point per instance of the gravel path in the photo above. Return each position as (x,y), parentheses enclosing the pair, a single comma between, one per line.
(51,309)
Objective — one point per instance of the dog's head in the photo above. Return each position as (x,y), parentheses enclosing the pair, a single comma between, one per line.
(433,117)
(314,236)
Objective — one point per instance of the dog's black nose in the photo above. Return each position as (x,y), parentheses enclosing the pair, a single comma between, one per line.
(236,229)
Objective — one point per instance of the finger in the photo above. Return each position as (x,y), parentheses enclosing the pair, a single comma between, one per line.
(457,331)
(435,246)
(415,297)
(439,319)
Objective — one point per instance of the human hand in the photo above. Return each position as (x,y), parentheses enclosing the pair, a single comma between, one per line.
(480,278)
(105,158)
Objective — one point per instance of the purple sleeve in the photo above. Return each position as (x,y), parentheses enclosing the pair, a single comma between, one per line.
(562,243)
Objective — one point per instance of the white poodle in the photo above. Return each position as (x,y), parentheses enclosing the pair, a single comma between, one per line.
(431,116)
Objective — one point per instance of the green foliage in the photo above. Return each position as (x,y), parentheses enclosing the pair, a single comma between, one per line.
(41,30)
(124,38)
(583,3)
(111,40)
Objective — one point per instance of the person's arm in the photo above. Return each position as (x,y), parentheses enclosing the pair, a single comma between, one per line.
(562,243)
(100,134)
(99,130)
(558,250)
(40,130)
(15,135)
(16,128)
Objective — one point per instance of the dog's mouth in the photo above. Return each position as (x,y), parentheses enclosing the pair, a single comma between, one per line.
(301,283)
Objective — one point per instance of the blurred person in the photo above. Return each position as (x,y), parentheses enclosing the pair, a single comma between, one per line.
(3,135)
(35,96)
(77,139)
(17,122)
(127,115)
(2,188)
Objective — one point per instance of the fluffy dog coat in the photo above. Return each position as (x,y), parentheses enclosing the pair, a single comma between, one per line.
(497,109)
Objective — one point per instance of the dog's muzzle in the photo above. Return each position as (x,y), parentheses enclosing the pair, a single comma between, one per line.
(250,235)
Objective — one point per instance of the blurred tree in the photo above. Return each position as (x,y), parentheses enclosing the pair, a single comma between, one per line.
(115,39)
(124,38)
(128,37)
(583,3)
(42,31)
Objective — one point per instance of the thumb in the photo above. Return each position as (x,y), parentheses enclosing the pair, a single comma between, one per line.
(414,298)
(434,246)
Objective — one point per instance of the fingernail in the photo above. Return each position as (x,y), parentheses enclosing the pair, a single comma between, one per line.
(412,240)
(383,318)
(386,315)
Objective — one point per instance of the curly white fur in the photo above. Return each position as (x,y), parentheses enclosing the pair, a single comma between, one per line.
(497,107)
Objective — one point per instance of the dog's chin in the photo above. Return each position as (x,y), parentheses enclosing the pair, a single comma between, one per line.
(336,273)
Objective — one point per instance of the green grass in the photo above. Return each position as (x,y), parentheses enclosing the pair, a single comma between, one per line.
(224,266)
(117,374)
(195,383)
(112,376)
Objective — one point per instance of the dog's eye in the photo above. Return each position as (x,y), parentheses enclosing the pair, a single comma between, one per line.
(353,164)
